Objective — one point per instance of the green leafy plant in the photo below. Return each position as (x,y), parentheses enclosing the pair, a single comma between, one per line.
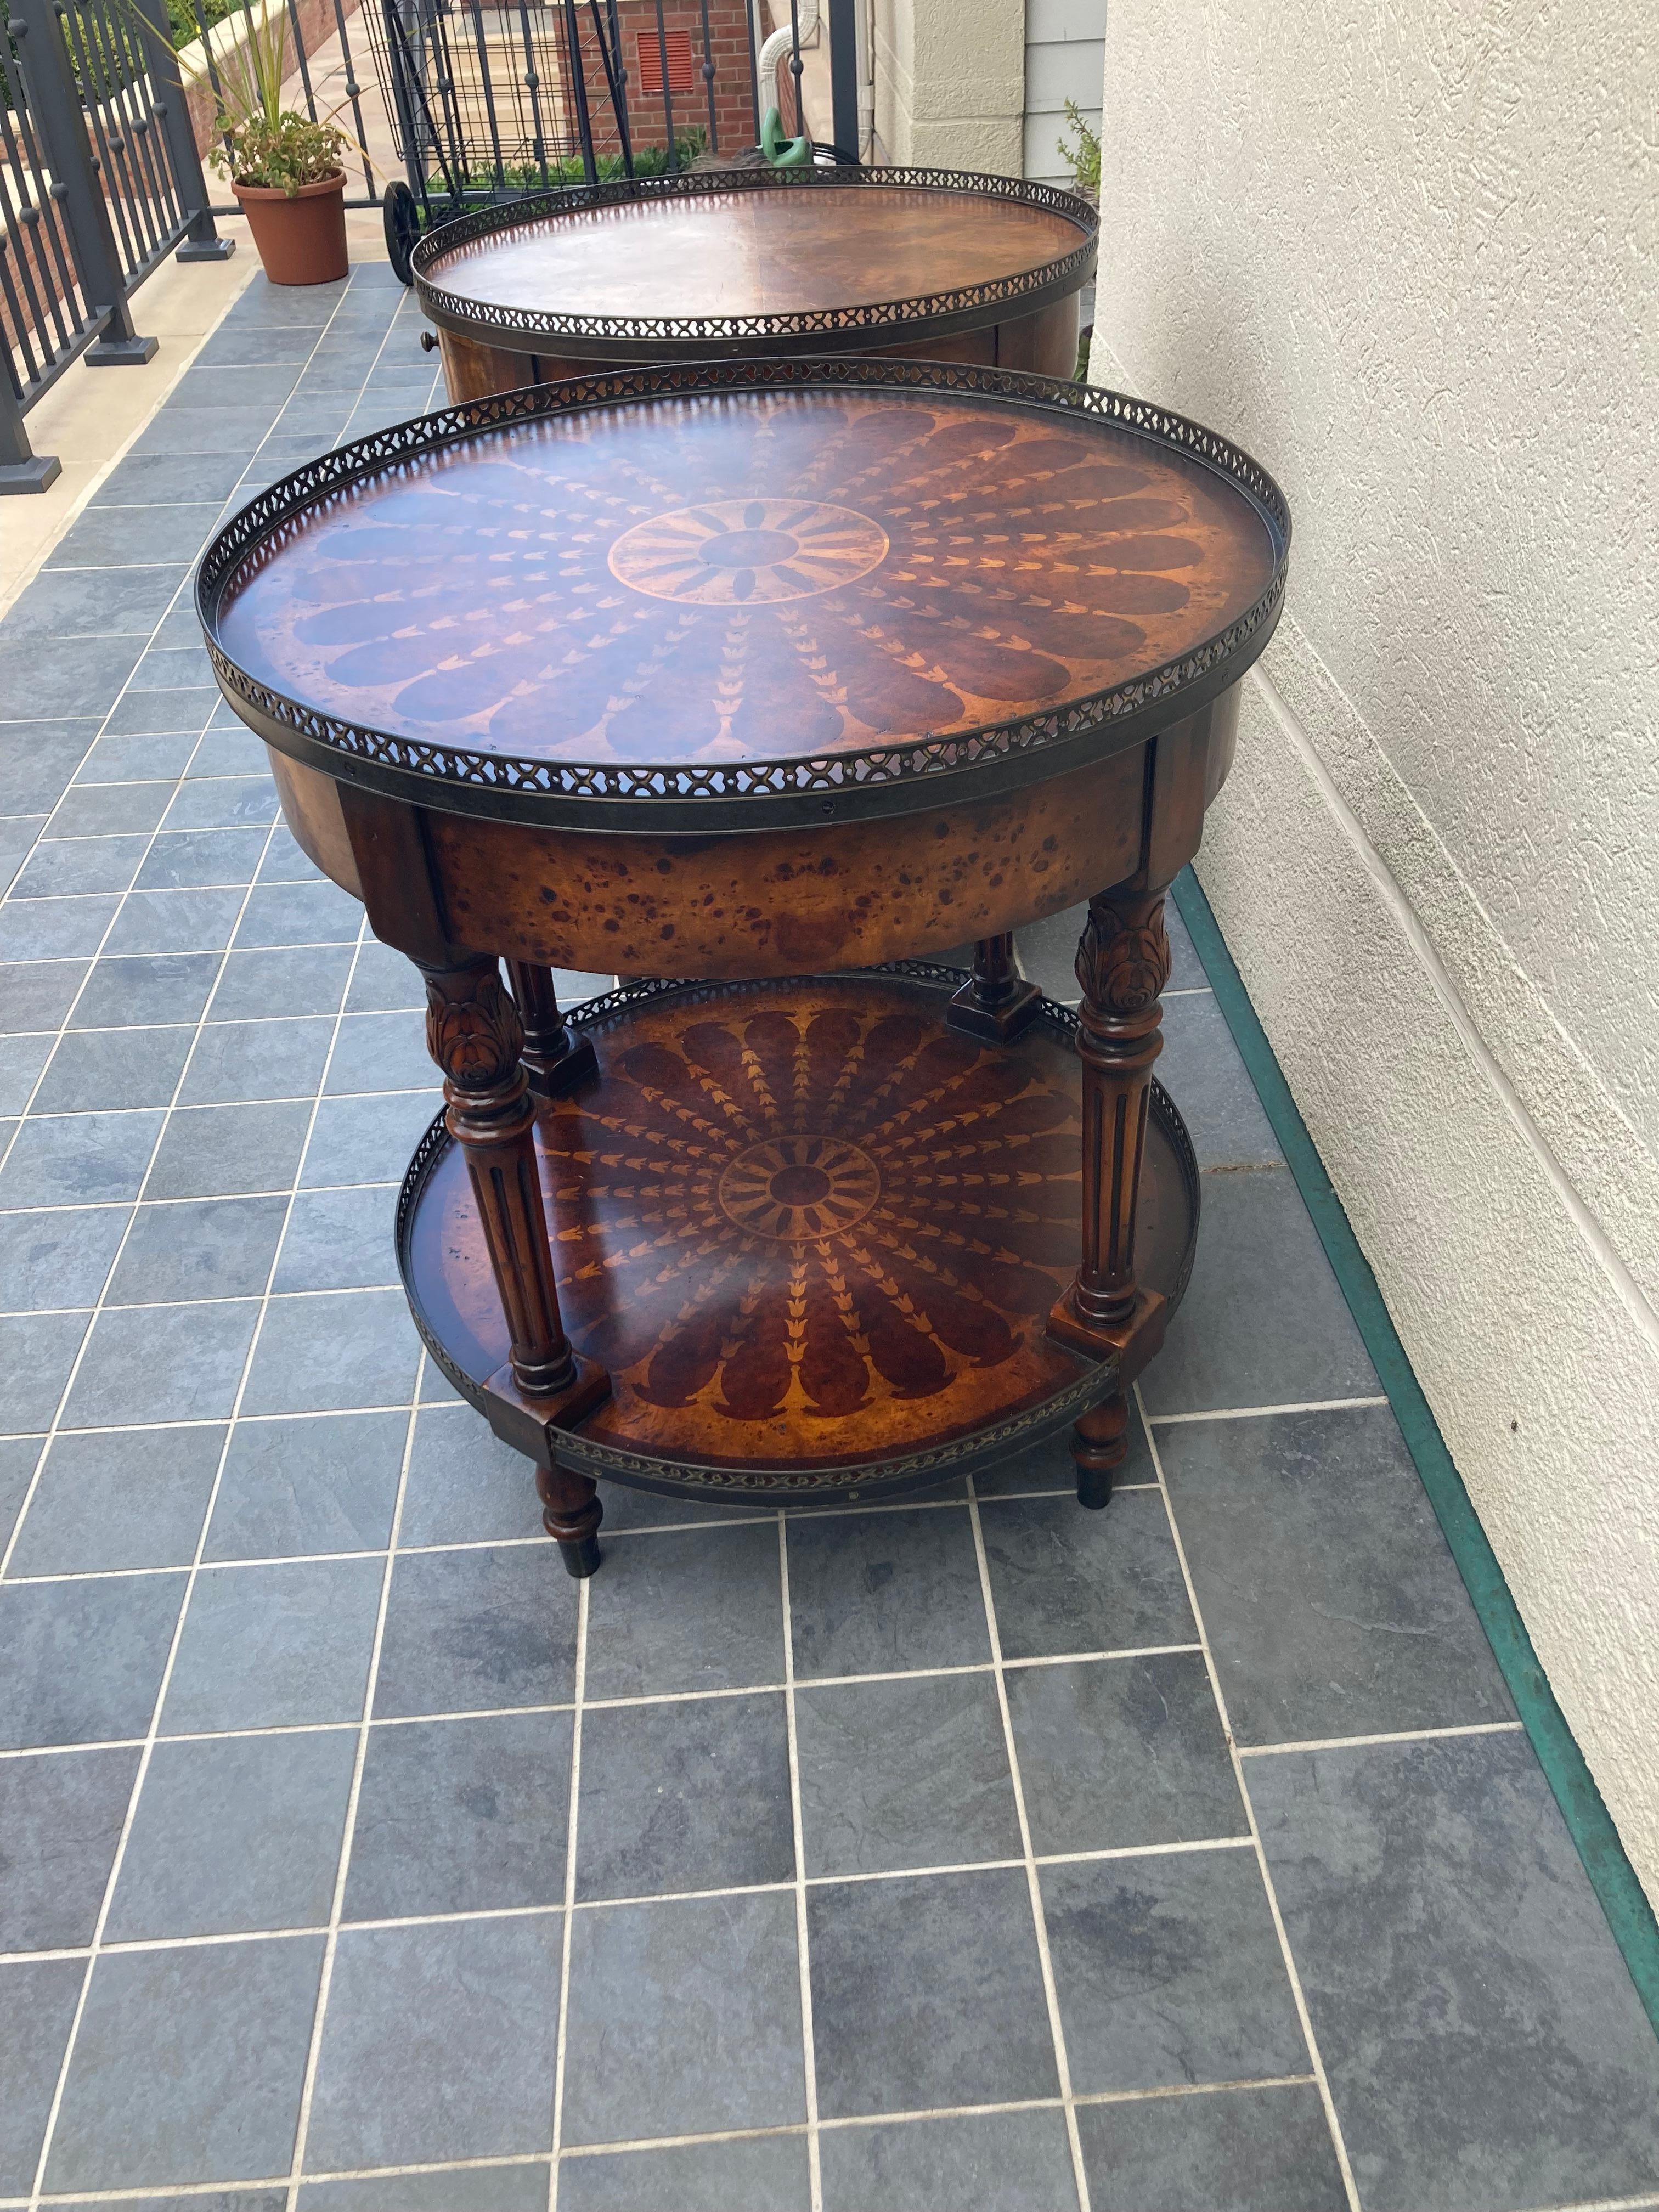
(1084,159)
(648,161)
(264,143)
(281,152)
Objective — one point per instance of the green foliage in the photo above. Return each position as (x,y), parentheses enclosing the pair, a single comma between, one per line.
(264,143)
(1084,159)
(527,176)
(281,152)
(181,17)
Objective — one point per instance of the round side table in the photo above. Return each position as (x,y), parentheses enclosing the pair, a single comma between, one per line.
(563,677)
(928,264)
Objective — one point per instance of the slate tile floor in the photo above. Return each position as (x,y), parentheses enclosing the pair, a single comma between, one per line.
(974,1853)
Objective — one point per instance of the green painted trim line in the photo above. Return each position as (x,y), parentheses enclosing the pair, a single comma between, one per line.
(1623,1899)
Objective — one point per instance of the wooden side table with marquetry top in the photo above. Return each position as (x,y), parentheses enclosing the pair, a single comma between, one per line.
(926,264)
(783,676)
(930,265)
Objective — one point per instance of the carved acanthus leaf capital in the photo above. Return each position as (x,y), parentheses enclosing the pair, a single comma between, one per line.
(473,1029)
(1123,960)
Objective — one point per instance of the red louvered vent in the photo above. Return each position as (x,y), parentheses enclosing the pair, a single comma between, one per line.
(682,76)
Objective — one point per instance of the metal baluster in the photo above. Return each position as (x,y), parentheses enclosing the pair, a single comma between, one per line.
(414,79)
(749,8)
(145,95)
(105,67)
(214,85)
(159,212)
(201,242)
(24,321)
(578,89)
(667,98)
(104,164)
(844,78)
(622,85)
(131,146)
(354,93)
(615,83)
(54,104)
(488,96)
(708,79)
(797,67)
(532,79)
(49,278)
(298,37)
(23,345)
(460,162)
(22,468)
(399,73)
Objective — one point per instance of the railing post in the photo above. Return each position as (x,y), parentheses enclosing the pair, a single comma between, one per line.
(22,468)
(55,103)
(844,77)
(201,242)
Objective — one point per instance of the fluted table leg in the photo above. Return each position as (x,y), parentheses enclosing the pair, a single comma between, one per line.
(475,1035)
(1123,965)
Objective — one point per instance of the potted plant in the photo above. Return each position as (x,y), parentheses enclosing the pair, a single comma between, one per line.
(284,169)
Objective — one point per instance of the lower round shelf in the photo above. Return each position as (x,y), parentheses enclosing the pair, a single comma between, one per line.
(813,1233)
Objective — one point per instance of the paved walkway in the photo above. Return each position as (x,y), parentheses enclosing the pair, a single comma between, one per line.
(974,1853)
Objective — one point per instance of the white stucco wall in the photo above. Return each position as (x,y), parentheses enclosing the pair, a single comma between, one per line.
(1409,253)
(951,83)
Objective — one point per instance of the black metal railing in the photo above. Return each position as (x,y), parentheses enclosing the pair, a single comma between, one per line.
(102,181)
(492,100)
(486,100)
(349,111)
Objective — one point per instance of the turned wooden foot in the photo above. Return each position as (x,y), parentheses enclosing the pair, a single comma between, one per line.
(1100,1444)
(555,1060)
(571,1515)
(998,1002)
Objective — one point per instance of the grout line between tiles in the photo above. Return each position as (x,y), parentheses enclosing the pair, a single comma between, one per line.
(590,1705)
(1033,1881)
(531,1543)
(1393,1735)
(1260,1412)
(1642,2203)
(802,1951)
(573,1810)
(348,1835)
(600,1905)
(220,1937)
(1294,1976)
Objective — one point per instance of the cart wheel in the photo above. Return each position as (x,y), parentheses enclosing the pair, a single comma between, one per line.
(401,213)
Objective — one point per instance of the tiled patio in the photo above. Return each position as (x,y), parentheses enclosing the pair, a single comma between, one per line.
(971,1854)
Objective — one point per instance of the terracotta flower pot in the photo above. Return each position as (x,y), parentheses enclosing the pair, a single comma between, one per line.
(302,241)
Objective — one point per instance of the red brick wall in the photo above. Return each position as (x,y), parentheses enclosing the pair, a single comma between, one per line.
(728,47)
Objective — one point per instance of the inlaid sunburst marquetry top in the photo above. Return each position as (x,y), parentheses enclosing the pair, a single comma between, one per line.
(721,577)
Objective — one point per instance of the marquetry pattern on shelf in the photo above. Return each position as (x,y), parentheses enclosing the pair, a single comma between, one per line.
(801,1225)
